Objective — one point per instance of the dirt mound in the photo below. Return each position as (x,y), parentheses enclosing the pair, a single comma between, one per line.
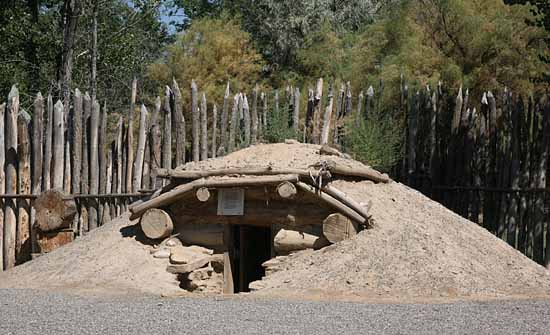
(417,250)
(110,260)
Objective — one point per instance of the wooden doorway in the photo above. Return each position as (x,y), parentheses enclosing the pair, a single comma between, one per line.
(253,247)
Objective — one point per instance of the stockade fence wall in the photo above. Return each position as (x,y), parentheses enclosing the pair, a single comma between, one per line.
(447,146)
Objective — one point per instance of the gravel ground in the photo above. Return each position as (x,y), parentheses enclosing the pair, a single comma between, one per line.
(35,312)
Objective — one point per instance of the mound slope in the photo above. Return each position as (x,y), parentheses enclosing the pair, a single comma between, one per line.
(418,250)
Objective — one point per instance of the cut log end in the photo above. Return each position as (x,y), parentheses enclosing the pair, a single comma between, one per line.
(54,211)
(203,194)
(156,224)
(337,227)
(287,190)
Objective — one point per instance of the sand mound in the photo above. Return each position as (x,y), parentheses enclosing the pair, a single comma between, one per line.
(109,260)
(418,250)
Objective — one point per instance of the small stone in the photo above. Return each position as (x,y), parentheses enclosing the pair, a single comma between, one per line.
(162,253)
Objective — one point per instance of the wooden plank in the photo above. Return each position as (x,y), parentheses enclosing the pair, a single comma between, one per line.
(179,126)
(58,146)
(204,128)
(140,151)
(2,180)
(10,207)
(23,245)
(48,145)
(195,129)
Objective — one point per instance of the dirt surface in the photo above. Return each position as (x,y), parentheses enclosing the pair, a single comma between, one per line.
(112,259)
(417,251)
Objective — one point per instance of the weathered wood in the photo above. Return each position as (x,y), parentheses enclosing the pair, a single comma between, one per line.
(49,241)
(246,114)
(228,285)
(224,120)
(58,146)
(342,197)
(102,154)
(85,174)
(48,136)
(23,243)
(263,97)
(337,227)
(254,115)
(156,224)
(54,211)
(10,209)
(325,132)
(146,176)
(155,139)
(316,133)
(76,148)
(233,124)
(140,151)
(94,165)
(195,129)
(251,171)
(203,194)
(188,268)
(286,190)
(296,110)
(288,241)
(130,140)
(205,235)
(167,138)
(214,130)
(363,172)
(108,208)
(179,121)
(119,162)
(37,147)
(336,204)
(179,191)
(204,129)
(2,181)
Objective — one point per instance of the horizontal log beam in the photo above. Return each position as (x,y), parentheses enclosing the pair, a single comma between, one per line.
(250,171)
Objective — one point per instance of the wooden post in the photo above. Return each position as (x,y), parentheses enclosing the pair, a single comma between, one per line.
(204,129)
(296,111)
(2,180)
(224,119)
(264,112)
(140,152)
(246,114)
(77,146)
(94,165)
(119,163)
(228,286)
(360,101)
(340,105)
(146,177)
(23,244)
(66,151)
(179,119)
(254,115)
(327,117)
(233,125)
(308,124)
(214,130)
(108,211)
(48,146)
(37,146)
(155,139)
(167,143)
(196,120)
(316,135)
(10,215)
(85,174)
(58,145)
(102,152)
(130,139)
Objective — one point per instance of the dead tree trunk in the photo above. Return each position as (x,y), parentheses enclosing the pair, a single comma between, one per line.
(179,119)
(23,244)
(10,214)
(204,129)
(196,120)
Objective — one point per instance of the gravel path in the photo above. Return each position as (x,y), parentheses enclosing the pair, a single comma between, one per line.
(31,312)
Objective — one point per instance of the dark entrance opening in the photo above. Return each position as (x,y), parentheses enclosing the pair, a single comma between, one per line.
(253,247)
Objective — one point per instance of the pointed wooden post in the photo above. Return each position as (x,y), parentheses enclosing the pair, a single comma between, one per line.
(108,210)
(167,143)
(119,163)
(140,152)
(37,146)
(10,208)
(179,121)
(85,168)
(254,115)
(2,180)
(48,136)
(296,111)
(223,126)
(233,125)
(102,152)
(214,129)
(58,146)
(76,154)
(130,139)
(155,139)
(263,97)
(204,128)
(94,165)
(246,115)
(327,117)
(316,136)
(23,244)
(195,129)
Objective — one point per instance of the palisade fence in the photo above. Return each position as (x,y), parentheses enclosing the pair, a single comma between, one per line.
(489,166)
